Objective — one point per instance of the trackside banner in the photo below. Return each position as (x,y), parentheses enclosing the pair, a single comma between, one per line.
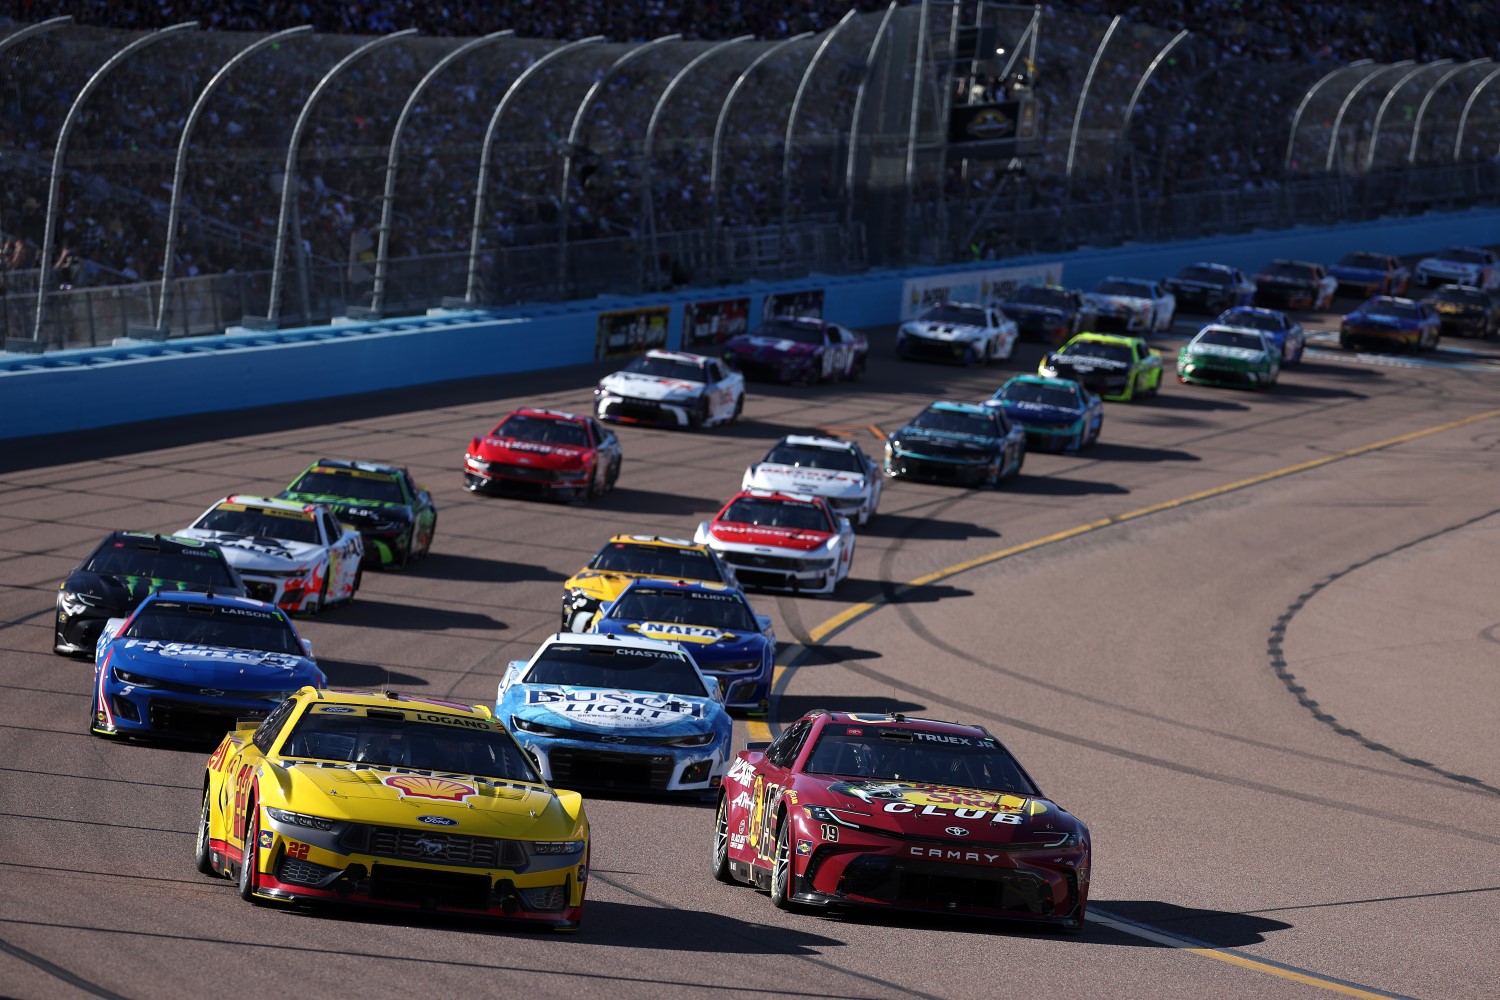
(992,284)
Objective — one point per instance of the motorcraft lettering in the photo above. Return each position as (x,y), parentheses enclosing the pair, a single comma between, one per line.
(514,444)
(804,473)
(791,534)
(614,707)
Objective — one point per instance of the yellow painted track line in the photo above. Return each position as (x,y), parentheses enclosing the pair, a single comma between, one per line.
(1234,957)
(760,729)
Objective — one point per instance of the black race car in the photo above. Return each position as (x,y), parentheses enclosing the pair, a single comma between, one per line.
(1466,311)
(1049,313)
(120,573)
(394,514)
(1210,288)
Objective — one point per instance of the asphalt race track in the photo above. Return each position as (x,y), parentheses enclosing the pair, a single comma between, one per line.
(1250,638)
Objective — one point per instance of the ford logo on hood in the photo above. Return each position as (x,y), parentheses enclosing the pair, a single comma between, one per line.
(437,820)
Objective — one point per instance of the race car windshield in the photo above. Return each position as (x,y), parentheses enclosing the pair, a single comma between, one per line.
(1230,338)
(812,457)
(201,567)
(349,485)
(1391,307)
(725,611)
(1365,261)
(681,371)
(791,331)
(1255,320)
(916,757)
(1127,289)
(662,561)
(1047,395)
(543,430)
(1460,255)
(260,522)
(1205,275)
(955,316)
(403,742)
(208,625)
(1097,349)
(770,513)
(1463,297)
(635,669)
(1287,269)
(955,422)
(1041,295)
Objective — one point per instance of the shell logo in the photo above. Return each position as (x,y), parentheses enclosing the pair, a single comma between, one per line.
(420,786)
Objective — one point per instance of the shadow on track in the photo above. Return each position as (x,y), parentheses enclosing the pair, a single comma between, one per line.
(471,569)
(390,615)
(1216,928)
(343,673)
(1047,486)
(1107,451)
(796,706)
(904,526)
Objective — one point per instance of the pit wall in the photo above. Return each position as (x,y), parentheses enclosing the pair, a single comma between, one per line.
(66,391)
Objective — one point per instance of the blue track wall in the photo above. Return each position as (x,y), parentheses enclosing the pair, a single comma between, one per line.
(76,390)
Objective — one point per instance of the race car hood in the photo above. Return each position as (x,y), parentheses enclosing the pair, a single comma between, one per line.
(698,635)
(1380,321)
(758,346)
(475,805)
(1029,412)
(1116,303)
(1242,355)
(1437,265)
(947,332)
(121,592)
(760,534)
(1352,273)
(609,710)
(653,387)
(1086,362)
(542,456)
(1193,285)
(227,669)
(252,552)
(361,514)
(802,479)
(1282,281)
(1016,310)
(936,811)
(941,442)
(605,586)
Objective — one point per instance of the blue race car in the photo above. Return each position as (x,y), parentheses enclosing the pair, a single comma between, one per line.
(713,622)
(956,443)
(1056,413)
(1286,333)
(1362,273)
(1386,322)
(188,666)
(618,712)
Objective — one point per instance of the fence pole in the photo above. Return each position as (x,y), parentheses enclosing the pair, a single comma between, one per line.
(1463,119)
(1416,131)
(1338,119)
(791,118)
(851,165)
(1390,95)
(1307,97)
(1083,96)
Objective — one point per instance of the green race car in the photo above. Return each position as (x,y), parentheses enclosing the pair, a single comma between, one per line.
(1233,356)
(1116,367)
(393,513)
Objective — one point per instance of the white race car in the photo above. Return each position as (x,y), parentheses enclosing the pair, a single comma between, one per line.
(1131,305)
(781,541)
(295,555)
(832,468)
(1460,266)
(672,388)
(958,331)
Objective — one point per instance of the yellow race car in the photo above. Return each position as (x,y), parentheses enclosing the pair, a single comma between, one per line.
(392,801)
(632,557)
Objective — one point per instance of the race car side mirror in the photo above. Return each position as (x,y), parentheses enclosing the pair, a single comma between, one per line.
(307,648)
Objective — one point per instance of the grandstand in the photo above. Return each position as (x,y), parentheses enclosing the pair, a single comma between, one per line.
(564,150)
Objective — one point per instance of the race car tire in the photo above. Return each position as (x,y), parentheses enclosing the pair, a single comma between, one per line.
(579,622)
(322,604)
(739,408)
(431,533)
(698,416)
(973,357)
(781,868)
(1078,443)
(722,871)
(359,579)
(612,477)
(249,879)
(203,858)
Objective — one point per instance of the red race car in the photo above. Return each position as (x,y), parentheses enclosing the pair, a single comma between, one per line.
(781,541)
(848,810)
(545,452)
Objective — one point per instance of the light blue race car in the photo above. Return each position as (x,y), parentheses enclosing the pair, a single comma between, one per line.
(618,713)
(188,666)
(713,622)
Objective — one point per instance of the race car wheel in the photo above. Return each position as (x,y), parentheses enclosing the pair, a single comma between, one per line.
(781,869)
(408,546)
(698,416)
(322,604)
(579,622)
(249,877)
(203,858)
(721,845)
(427,539)
(973,357)
(612,477)
(739,408)
(359,578)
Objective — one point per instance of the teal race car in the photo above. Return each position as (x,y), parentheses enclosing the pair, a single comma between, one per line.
(1057,414)
(1232,356)
(395,515)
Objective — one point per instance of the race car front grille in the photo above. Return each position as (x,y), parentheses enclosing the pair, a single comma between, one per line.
(936,350)
(634,409)
(298,872)
(940,471)
(1228,376)
(425,887)
(970,888)
(586,768)
(434,847)
(526,472)
(751,560)
(768,369)
(190,720)
(260,590)
(620,739)
(551,897)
